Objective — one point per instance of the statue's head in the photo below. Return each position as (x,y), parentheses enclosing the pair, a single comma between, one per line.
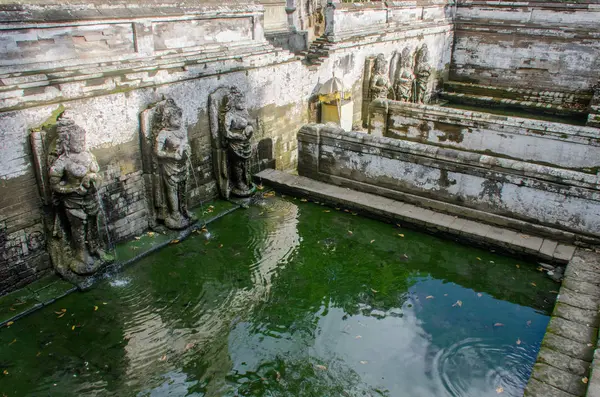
(423,54)
(171,114)
(71,137)
(236,98)
(380,64)
(406,56)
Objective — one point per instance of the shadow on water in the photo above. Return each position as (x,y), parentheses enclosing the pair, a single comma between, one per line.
(291,299)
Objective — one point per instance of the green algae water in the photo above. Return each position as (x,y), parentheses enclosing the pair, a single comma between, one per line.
(290,299)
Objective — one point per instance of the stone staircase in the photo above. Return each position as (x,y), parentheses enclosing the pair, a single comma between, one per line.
(318,51)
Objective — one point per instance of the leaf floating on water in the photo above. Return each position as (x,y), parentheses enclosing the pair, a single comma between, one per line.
(372,241)
(12,309)
(321,367)
(499,390)
(260,187)
(518,341)
(104,303)
(277,375)
(458,303)
(479,294)
(492,262)
(355,213)
(498,325)
(13,341)
(400,234)
(189,346)
(554,292)
(429,297)
(304,200)
(60,315)
(478,258)
(220,245)
(585,379)
(364,362)
(137,237)
(357,337)
(326,210)
(534,284)
(8,324)
(73,328)
(174,241)
(349,231)
(95,308)
(518,266)
(5,372)
(528,323)
(163,358)
(374,291)
(151,234)
(445,294)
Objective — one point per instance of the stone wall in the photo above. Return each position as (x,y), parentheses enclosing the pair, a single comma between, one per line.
(536,141)
(540,195)
(537,45)
(105,89)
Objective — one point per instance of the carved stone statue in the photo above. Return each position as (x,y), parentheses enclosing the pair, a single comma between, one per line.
(380,85)
(69,182)
(422,73)
(404,79)
(231,130)
(167,141)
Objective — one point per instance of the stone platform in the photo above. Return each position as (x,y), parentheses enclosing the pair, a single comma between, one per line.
(568,351)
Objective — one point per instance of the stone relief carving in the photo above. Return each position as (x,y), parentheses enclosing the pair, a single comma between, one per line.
(404,77)
(422,73)
(167,153)
(69,179)
(411,72)
(380,85)
(231,129)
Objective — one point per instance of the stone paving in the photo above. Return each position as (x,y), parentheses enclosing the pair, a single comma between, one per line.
(567,361)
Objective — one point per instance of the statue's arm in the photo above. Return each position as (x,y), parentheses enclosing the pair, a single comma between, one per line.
(228,133)
(94,171)
(159,147)
(56,173)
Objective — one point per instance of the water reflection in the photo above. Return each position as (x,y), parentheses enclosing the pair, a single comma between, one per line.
(291,300)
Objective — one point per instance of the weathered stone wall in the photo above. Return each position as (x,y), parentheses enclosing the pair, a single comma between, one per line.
(543,195)
(549,45)
(542,142)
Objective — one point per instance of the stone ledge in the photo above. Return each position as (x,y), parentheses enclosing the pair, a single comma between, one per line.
(397,211)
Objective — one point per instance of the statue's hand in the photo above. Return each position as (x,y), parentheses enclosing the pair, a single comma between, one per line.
(248,131)
(81,190)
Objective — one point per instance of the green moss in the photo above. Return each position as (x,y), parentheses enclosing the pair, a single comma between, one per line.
(50,122)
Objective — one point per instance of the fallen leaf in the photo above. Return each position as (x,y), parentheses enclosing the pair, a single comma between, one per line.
(13,341)
(349,231)
(492,262)
(346,210)
(375,291)
(498,325)
(458,303)
(151,234)
(326,211)
(364,362)
(528,323)
(134,248)
(260,187)
(400,234)
(321,367)
(429,297)
(138,238)
(518,341)
(355,213)
(38,354)
(534,284)
(585,379)
(337,208)
(189,345)
(372,241)
(174,241)
(525,236)
(95,308)
(589,345)
(358,337)
(8,324)
(61,314)
(479,294)
(220,245)
(518,266)
(104,303)
(478,258)
(163,358)
(304,200)
(5,372)
(12,309)
(499,390)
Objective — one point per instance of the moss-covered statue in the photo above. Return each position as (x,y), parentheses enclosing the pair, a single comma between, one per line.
(422,73)
(231,130)
(380,85)
(404,79)
(171,152)
(73,178)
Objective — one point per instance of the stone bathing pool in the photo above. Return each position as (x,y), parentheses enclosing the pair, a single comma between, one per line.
(291,298)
